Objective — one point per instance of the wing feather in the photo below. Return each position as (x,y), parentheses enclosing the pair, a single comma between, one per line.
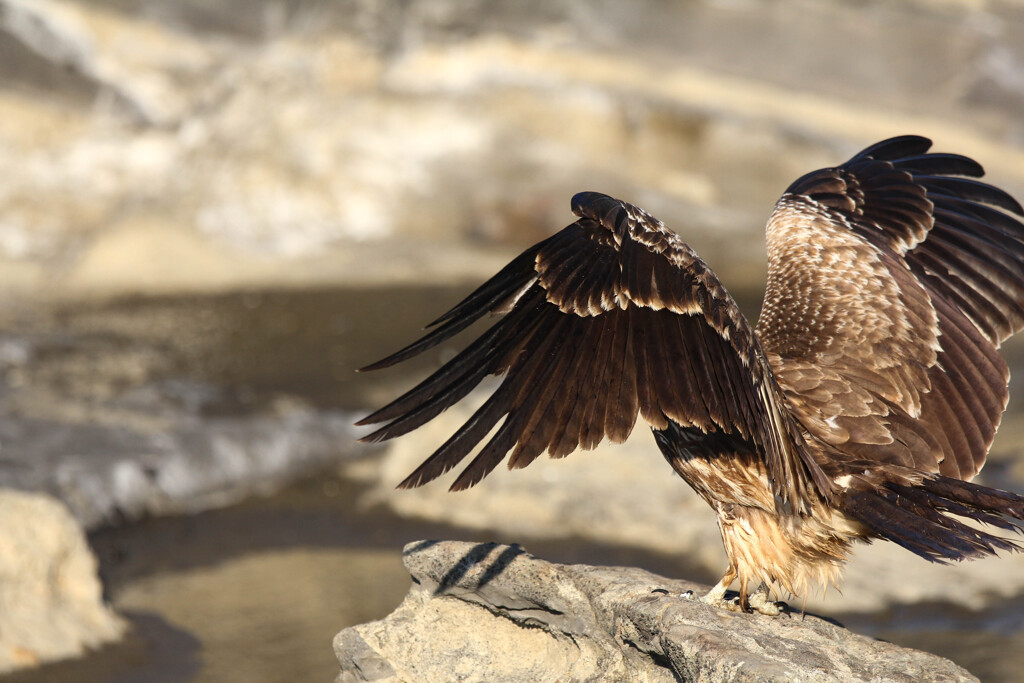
(611,318)
(487,297)
(591,429)
(646,363)
(540,425)
(952,187)
(897,148)
(610,414)
(939,269)
(940,164)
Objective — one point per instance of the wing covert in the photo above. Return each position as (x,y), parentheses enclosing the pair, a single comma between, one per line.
(906,273)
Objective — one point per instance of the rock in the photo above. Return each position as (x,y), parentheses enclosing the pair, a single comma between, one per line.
(484,611)
(51,604)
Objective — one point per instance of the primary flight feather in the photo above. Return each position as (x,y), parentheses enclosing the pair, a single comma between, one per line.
(859,407)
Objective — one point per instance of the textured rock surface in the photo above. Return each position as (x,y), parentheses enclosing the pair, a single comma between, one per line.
(482,612)
(51,604)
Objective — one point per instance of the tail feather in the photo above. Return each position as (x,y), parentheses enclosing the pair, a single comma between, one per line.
(923,516)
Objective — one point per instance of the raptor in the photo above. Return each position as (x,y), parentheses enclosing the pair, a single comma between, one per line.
(859,407)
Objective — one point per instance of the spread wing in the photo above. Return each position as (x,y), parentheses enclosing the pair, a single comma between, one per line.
(893,279)
(612,317)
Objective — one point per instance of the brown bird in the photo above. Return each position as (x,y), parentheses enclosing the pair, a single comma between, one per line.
(859,407)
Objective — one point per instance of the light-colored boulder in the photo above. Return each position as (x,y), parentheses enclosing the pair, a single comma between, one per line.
(487,612)
(51,601)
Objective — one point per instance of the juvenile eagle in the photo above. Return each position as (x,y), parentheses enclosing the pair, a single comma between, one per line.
(859,407)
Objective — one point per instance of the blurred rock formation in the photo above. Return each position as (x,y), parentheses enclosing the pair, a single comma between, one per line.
(51,602)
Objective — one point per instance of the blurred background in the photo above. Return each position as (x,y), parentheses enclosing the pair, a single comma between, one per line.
(211,213)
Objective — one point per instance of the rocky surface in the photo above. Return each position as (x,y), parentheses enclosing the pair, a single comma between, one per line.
(479,612)
(51,600)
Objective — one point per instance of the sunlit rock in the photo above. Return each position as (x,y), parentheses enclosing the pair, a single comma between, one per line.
(484,612)
(51,600)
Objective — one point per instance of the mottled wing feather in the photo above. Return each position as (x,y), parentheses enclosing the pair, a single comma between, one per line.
(954,248)
(611,318)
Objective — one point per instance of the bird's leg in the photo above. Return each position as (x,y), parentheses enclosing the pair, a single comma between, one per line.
(744,605)
(716,594)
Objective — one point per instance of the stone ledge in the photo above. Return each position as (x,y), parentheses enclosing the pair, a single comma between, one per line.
(479,612)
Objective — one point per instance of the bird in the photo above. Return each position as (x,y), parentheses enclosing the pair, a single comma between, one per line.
(859,407)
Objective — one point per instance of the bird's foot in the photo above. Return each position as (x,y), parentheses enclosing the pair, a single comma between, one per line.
(716,598)
(758,601)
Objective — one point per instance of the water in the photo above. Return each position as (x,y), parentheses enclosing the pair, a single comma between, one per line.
(258,590)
